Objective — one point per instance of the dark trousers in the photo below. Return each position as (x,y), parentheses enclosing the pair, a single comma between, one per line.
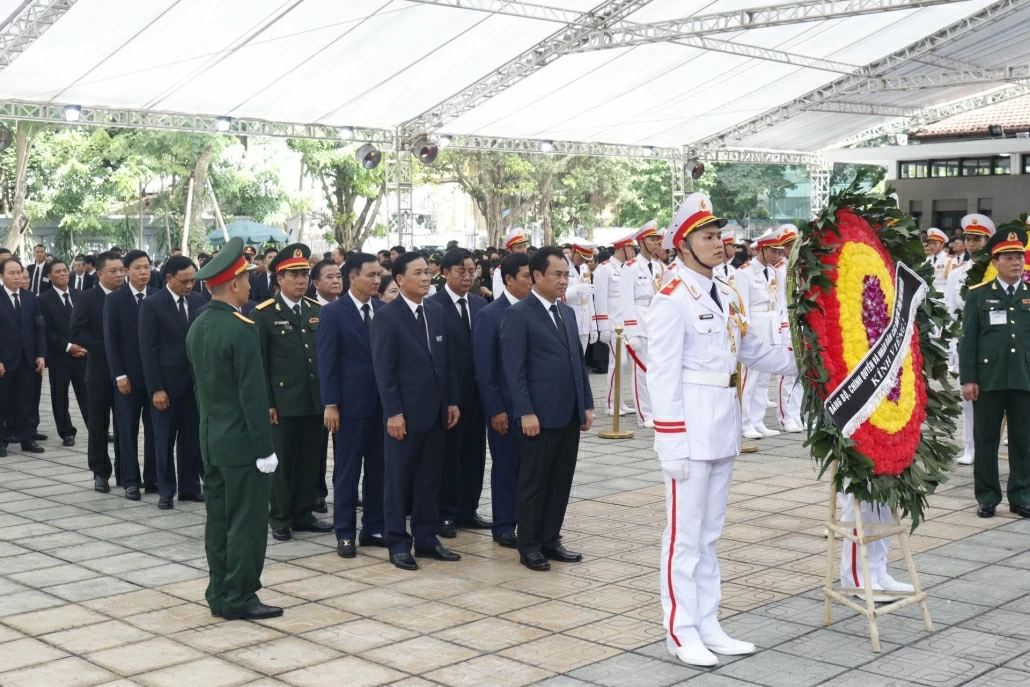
(37,394)
(321,488)
(17,390)
(413,465)
(100,401)
(178,425)
(506,454)
(297,441)
(545,481)
(71,372)
(988,411)
(464,463)
(236,500)
(358,439)
(128,410)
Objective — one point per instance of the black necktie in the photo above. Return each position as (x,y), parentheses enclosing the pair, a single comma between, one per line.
(1011,291)
(296,310)
(17,305)
(67,303)
(465,315)
(715,296)
(182,311)
(366,316)
(78,282)
(421,320)
(139,299)
(650,267)
(765,271)
(558,323)
(37,275)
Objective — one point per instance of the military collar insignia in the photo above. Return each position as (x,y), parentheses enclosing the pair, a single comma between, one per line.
(694,291)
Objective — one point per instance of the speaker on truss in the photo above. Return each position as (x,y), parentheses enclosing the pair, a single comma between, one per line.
(369,156)
(425,149)
(697,170)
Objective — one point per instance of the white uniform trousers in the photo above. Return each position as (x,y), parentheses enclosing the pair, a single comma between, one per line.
(641,399)
(695,512)
(967,428)
(788,406)
(850,559)
(626,375)
(755,394)
(583,339)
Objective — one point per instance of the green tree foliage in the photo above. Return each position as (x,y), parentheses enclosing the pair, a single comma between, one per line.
(737,189)
(651,195)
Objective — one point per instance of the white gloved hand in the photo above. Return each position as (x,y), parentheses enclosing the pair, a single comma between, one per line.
(635,342)
(571,292)
(605,336)
(592,336)
(268,465)
(584,289)
(677,469)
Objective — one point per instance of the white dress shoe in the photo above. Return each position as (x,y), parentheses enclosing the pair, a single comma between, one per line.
(647,423)
(860,593)
(694,654)
(626,410)
(751,433)
(771,404)
(766,432)
(792,427)
(965,459)
(725,645)
(889,584)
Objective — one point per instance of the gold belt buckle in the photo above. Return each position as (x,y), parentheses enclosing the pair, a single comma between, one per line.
(733,381)
(772,307)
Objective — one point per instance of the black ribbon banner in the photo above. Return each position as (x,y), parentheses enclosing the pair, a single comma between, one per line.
(861,392)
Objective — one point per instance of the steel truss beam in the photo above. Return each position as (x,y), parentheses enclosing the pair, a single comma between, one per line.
(843,86)
(511,8)
(534,145)
(759,156)
(962,77)
(868,109)
(28,24)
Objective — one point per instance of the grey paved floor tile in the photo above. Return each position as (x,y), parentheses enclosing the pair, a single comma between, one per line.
(896,629)
(833,647)
(974,592)
(927,668)
(92,589)
(945,611)
(23,602)
(1021,561)
(803,611)
(1000,622)
(859,678)
(979,646)
(1020,605)
(713,680)
(1001,575)
(632,670)
(161,574)
(762,631)
(969,551)
(561,681)
(1015,542)
(775,669)
(1020,663)
(1001,677)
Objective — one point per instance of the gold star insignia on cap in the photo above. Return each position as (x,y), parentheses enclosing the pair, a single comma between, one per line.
(1012,236)
(702,205)
(298,254)
(975,221)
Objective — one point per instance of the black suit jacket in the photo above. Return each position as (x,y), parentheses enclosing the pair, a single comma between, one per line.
(345,362)
(22,340)
(461,342)
(87,330)
(44,282)
(58,326)
(121,335)
(162,342)
(260,289)
(88,282)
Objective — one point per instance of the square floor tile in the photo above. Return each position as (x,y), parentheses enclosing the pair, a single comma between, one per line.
(350,669)
(359,635)
(927,668)
(491,634)
(53,619)
(560,653)
(488,670)
(145,656)
(555,616)
(26,652)
(217,639)
(210,672)
(66,672)
(431,616)
(420,655)
(633,670)
(959,642)
(282,655)
(106,635)
(775,669)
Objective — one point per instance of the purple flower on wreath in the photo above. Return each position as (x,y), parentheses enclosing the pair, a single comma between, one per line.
(875,319)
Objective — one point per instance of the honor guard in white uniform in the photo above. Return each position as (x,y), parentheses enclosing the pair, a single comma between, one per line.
(580,294)
(942,263)
(515,241)
(641,280)
(726,270)
(698,329)
(788,391)
(758,283)
(608,312)
(977,229)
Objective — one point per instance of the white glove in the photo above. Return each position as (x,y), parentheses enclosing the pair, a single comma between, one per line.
(268,465)
(584,288)
(677,469)
(605,336)
(635,341)
(592,336)
(571,292)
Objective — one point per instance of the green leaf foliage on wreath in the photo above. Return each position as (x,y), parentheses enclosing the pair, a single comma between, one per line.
(807,270)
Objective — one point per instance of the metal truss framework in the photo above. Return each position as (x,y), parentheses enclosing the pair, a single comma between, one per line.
(821,174)
(961,77)
(28,24)
(399,202)
(868,109)
(759,156)
(532,145)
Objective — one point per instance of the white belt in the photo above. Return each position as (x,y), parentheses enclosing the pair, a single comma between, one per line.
(642,301)
(720,379)
(763,309)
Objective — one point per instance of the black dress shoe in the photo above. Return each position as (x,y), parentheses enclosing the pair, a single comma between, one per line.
(439,553)
(985,510)
(534,561)
(110,438)
(196,498)
(282,534)
(507,540)
(68,441)
(216,612)
(3,450)
(371,539)
(448,530)
(561,554)
(100,484)
(403,560)
(39,437)
(150,489)
(1021,511)
(258,612)
(316,526)
(32,447)
(475,523)
(320,506)
(165,503)
(345,548)
(132,493)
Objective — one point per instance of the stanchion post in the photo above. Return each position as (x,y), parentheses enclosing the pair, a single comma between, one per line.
(615,433)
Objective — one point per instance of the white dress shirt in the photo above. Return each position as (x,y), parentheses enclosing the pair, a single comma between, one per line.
(511,298)
(289,304)
(457,306)
(175,299)
(547,307)
(135,292)
(10,295)
(425,316)
(60,296)
(358,304)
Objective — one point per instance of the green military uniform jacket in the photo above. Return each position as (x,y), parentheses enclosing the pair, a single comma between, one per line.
(223,349)
(995,348)
(289,348)
(438,281)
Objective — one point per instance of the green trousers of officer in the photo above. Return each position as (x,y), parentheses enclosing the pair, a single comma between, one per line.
(988,412)
(236,499)
(297,442)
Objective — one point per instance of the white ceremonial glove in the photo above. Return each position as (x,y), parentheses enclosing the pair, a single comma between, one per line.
(605,336)
(677,469)
(635,342)
(268,465)
(592,337)
(584,288)
(571,292)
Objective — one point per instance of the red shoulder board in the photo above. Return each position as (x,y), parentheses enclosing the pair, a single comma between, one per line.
(671,286)
(631,262)
(746,264)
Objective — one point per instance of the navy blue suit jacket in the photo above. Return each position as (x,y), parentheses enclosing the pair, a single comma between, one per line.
(162,342)
(121,335)
(547,377)
(260,289)
(21,340)
(87,330)
(345,370)
(414,381)
(461,342)
(486,349)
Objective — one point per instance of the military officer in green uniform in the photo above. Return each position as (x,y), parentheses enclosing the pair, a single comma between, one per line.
(994,368)
(235,438)
(287,328)
(436,278)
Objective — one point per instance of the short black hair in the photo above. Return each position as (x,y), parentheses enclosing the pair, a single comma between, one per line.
(176,264)
(116,249)
(39,245)
(134,255)
(57,261)
(511,265)
(385,284)
(540,259)
(90,260)
(400,265)
(383,252)
(106,257)
(270,249)
(399,250)
(454,257)
(358,260)
(3,263)
(80,256)
(5,251)
(316,271)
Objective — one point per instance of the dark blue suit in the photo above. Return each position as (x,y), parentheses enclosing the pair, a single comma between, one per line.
(162,343)
(22,340)
(465,447)
(506,449)
(121,342)
(348,381)
(547,377)
(260,289)
(416,379)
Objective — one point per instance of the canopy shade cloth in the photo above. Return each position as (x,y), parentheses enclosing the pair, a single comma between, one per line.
(252,233)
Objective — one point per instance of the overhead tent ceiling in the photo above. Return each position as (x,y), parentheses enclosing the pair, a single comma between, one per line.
(397,65)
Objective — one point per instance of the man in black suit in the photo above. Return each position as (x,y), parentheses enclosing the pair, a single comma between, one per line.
(66,361)
(121,341)
(164,319)
(81,279)
(87,331)
(22,354)
(547,378)
(465,448)
(262,281)
(39,271)
(414,369)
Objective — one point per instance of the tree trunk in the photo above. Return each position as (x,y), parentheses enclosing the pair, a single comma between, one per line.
(168,229)
(303,216)
(24,137)
(196,216)
(139,241)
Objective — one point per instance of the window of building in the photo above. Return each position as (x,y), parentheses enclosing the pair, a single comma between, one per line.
(984,206)
(916,169)
(976,167)
(1026,164)
(1001,164)
(944,168)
